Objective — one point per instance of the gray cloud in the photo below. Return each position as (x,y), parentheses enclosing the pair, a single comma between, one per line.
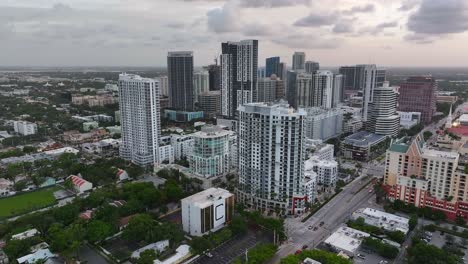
(343,27)
(387,25)
(256,29)
(408,5)
(273,3)
(316,20)
(419,38)
(306,41)
(440,17)
(360,9)
(224,19)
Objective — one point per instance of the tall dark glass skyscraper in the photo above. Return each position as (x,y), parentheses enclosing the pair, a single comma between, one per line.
(214,72)
(239,65)
(180,80)
(272,66)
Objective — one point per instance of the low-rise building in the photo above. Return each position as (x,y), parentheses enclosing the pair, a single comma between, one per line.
(409,119)
(25,128)
(327,170)
(166,154)
(310,184)
(26,234)
(182,116)
(386,221)
(87,126)
(346,240)
(101,147)
(42,254)
(363,145)
(81,185)
(158,248)
(207,211)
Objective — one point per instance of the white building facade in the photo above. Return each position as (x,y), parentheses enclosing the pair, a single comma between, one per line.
(207,211)
(140,119)
(25,128)
(327,170)
(271,154)
(211,152)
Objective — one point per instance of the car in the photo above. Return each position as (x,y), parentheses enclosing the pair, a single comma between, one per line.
(321,223)
(297,252)
(304,247)
(370,190)
(425,240)
(315,228)
(310,227)
(359,255)
(208,254)
(383,262)
(427,233)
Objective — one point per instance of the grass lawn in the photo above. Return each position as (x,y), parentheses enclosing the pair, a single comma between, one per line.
(27,202)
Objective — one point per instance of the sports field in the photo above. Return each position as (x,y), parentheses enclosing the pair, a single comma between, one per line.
(23,203)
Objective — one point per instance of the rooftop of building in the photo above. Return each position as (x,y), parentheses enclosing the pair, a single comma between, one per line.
(400,145)
(207,197)
(382,219)
(134,77)
(440,154)
(346,238)
(363,138)
(277,108)
(459,131)
(211,131)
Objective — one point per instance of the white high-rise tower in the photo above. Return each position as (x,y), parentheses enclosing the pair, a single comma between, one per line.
(271,156)
(140,120)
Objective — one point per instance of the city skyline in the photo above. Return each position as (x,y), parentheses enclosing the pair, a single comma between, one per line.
(113,32)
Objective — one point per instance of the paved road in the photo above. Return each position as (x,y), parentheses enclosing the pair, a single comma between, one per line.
(333,215)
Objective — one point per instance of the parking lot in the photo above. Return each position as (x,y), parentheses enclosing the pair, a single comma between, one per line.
(232,249)
(438,240)
(370,258)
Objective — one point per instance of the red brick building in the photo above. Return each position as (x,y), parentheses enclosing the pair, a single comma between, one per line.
(418,94)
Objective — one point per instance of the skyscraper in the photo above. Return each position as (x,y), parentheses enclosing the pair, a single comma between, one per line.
(163,83)
(298,61)
(272,66)
(201,83)
(291,88)
(214,72)
(351,79)
(383,117)
(312,66)
(239,64)
(418,94)
(337,96)
(140,120)
(269,89)
(370,79)
(282,71)
(314,90)
(354,76)
(180,80)
(271,156)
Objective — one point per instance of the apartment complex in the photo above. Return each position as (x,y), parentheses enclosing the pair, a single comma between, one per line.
(140,119)
(383,117)
(269,89)
(419,175)
(180,80)
(271,156)
(211,152)
(25,128)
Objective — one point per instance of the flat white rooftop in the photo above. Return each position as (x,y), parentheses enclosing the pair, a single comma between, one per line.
(389,222)
(207,197)
(346,239)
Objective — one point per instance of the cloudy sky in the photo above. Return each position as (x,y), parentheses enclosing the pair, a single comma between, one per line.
(140,32)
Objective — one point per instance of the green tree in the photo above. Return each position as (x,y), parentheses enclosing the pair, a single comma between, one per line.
(413,221)
(422,253)
(397,236)
(98,230)
(427,135)
(460,220)
(261,253)
(200,244)
(147,257)
(238,225)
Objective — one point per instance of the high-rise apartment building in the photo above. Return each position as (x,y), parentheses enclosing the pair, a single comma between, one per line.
(418,94)
(271,156)
(338,91)
(211,152)
(355,77)
(298,61)
(214,72)
(370,79)
(314,90)
(282,71)
(163,83)
(269,89)
(426,177)
(180,80)
(210,103)
(201,83)
(239,65)
(311,66)
(383,118)
(291,88)
(272,66)
(25,128)
(140,119)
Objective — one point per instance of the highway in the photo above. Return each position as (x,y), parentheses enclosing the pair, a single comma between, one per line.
(333,215)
